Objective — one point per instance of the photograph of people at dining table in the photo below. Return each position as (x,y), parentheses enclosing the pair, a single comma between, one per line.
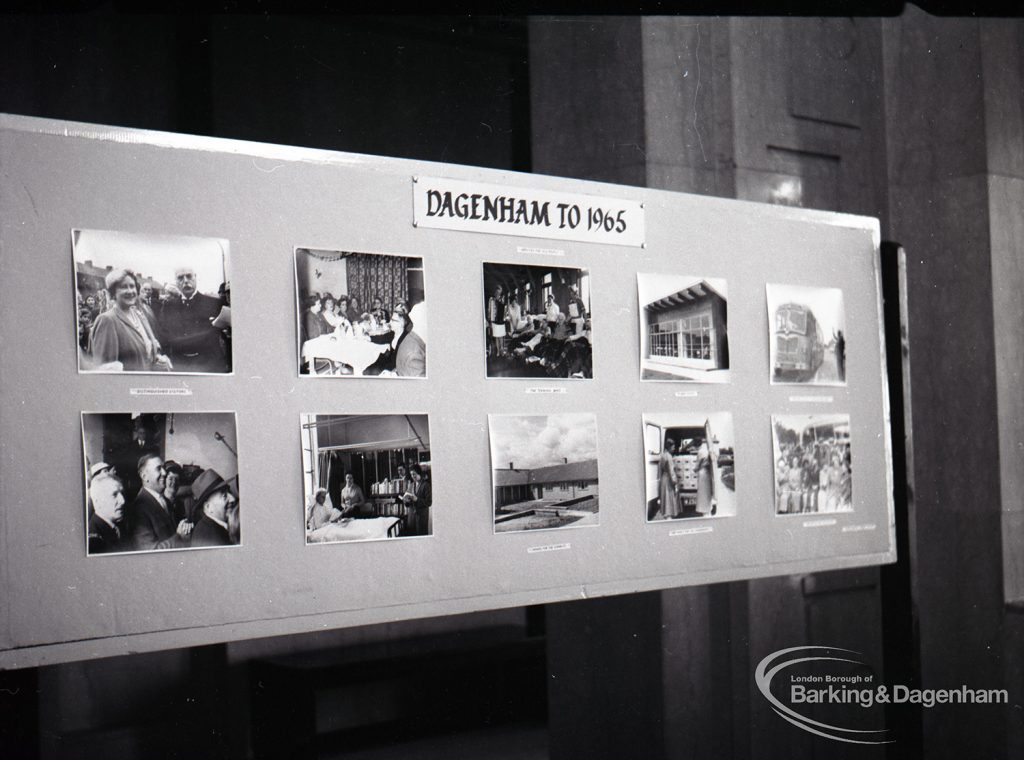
(367,477)
(360,314)
(152,303)
(537,321)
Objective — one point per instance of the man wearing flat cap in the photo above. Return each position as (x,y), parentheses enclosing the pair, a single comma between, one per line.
(218,505)
(186,326)
(98,469)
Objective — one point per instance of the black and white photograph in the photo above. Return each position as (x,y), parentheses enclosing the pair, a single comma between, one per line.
(367,477)
(813,469)
(164,481)
(807,344)
(684,328)
(360,314)
(544,471)
(537,322)
(690,465)
(152,303)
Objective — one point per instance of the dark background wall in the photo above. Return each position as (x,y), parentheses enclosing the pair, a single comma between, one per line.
(915,119)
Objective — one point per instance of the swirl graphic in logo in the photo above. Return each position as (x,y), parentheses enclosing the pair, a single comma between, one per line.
(785,658)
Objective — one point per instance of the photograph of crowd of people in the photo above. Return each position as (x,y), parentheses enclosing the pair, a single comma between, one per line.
(152,303)
(367,477)
(684,328)
(813,469)
(155,482)
(807,343)
(690,465)
(544,471)
(537,321)
(360,314)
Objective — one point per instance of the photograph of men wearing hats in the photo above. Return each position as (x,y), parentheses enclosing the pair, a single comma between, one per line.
(152,303)
(156,482)
(218,525)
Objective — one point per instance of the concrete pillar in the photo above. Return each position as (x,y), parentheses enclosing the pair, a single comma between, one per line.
(956,164)
(636,102)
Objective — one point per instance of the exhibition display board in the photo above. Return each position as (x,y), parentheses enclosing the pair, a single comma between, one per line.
(251,390)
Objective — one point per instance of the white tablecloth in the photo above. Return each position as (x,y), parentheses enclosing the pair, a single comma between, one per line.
(358,354)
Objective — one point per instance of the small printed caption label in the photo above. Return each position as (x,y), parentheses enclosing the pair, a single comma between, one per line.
(812,399)
(545,390)
(691,531)
(823,523)
(548,548)
(686,394)
(540,251)
(859,528)
(160,391)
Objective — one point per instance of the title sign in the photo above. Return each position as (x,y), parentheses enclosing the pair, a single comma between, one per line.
(476,207)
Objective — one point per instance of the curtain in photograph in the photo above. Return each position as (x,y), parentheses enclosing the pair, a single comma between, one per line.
(371,276)
(324,468)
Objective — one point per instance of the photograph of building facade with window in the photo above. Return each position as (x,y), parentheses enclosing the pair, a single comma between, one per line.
(544,471)
(683,328)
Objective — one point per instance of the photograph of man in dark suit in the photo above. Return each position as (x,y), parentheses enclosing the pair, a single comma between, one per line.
(187,331)
(152,523)
(219,508)
(106,521)
(410,349)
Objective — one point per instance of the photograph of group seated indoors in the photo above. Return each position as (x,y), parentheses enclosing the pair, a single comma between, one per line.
(537,321)
(367,477)
(691,467)
(157,482)
(360,314)
(813,468)
(544,471)
(684,333)
(152,303)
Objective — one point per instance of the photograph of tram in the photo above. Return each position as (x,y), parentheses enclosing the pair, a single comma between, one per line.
(807,344)
(813,468)
(690,465)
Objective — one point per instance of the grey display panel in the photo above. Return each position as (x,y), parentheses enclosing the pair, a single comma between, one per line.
(57,604)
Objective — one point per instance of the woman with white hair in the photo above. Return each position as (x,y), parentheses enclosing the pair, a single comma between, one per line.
(122,336)
(320,511)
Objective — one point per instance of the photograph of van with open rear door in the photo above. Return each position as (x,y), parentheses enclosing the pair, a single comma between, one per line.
(690,465)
